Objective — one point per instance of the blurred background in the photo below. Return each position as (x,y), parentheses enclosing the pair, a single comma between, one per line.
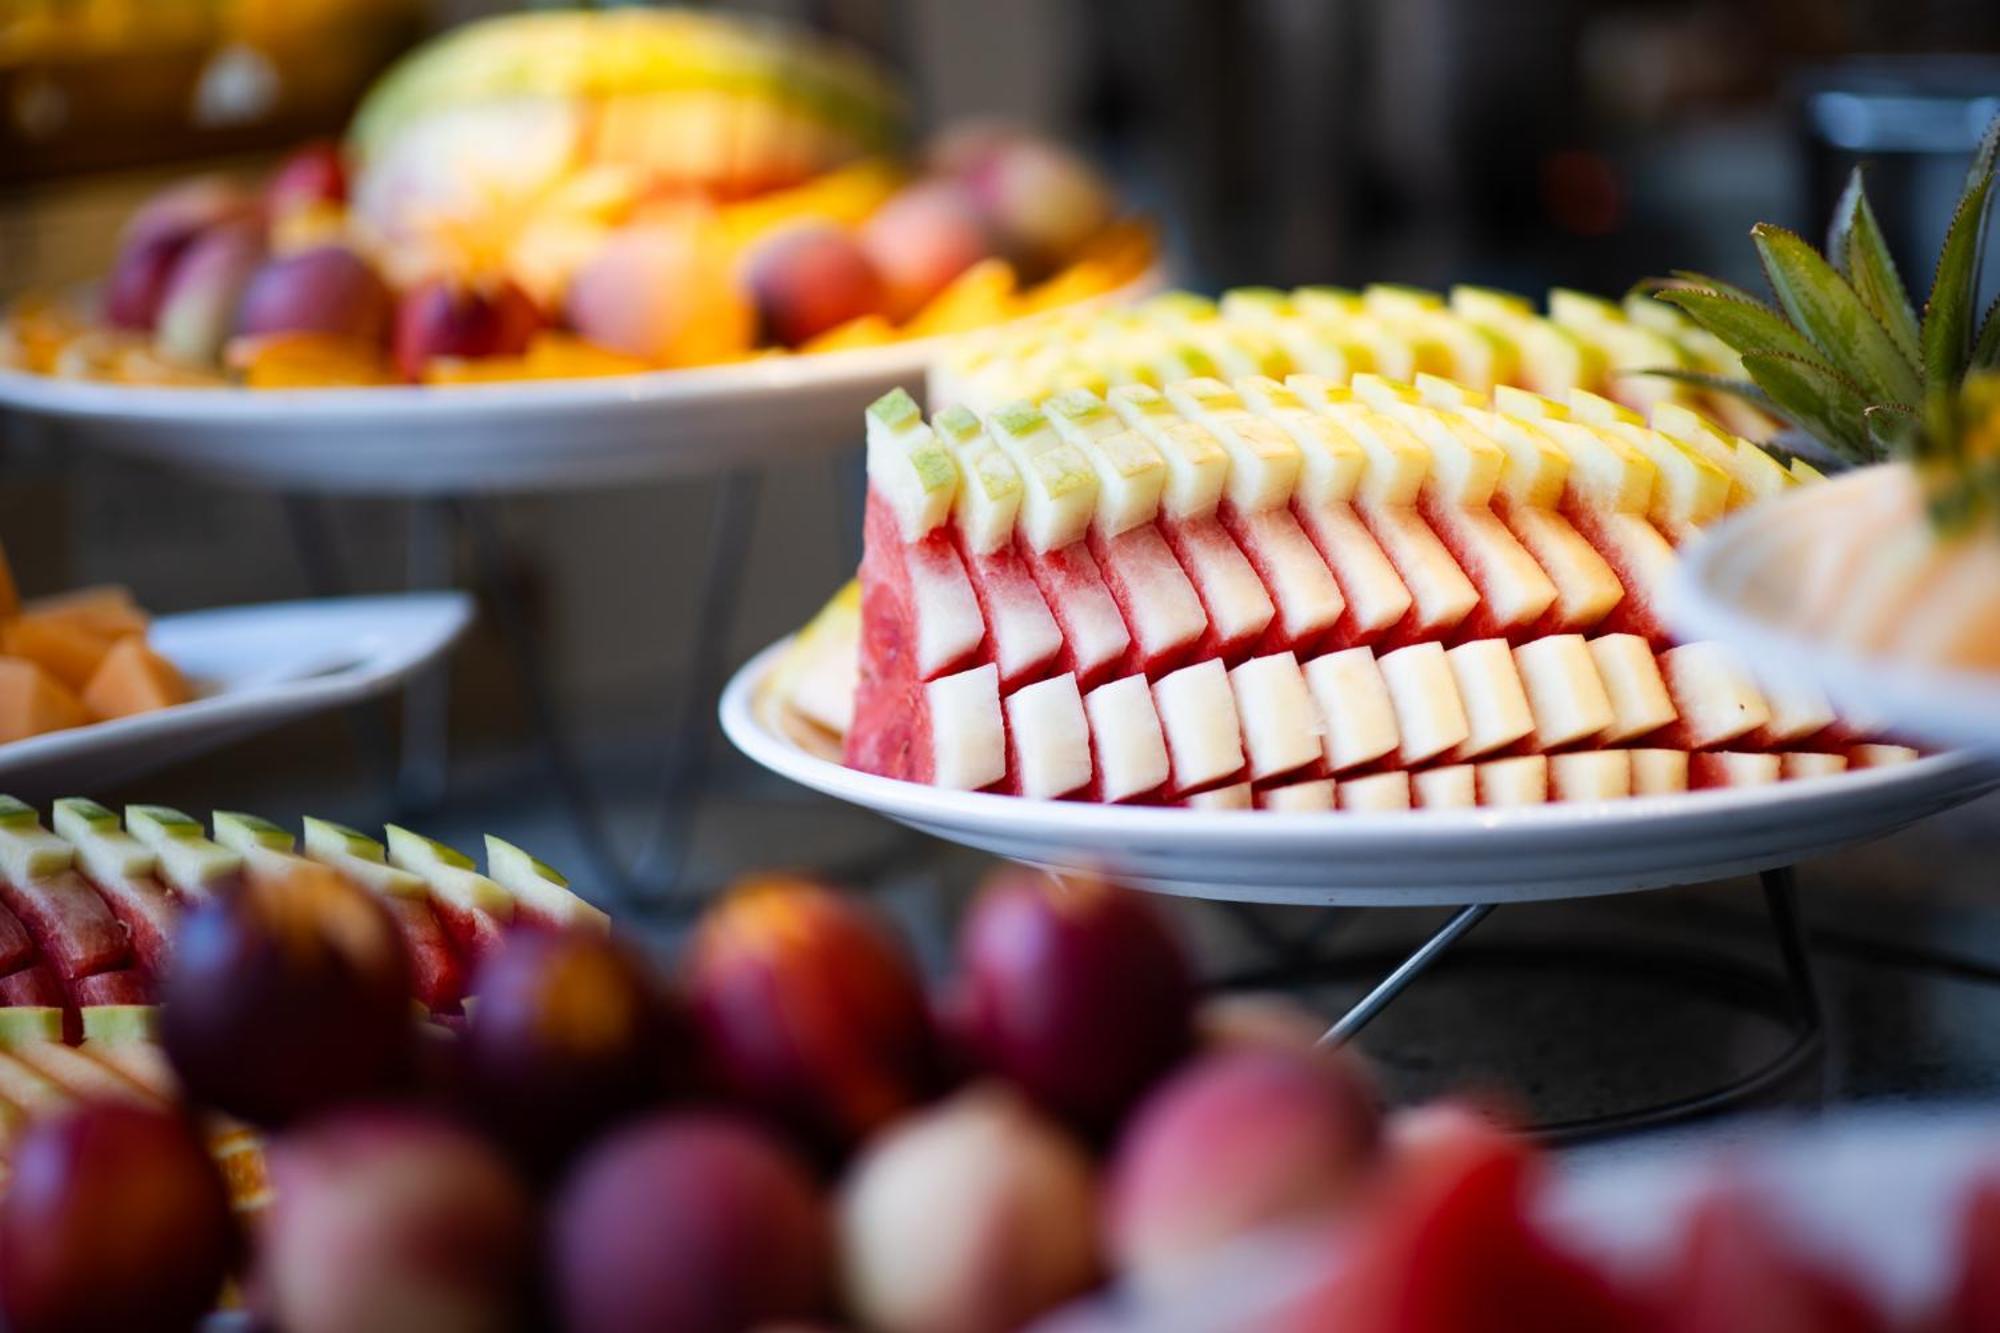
(1533,143)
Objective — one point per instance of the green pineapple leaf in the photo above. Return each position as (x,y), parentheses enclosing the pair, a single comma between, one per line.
(1832,315)
(1747,326)
(1691,278)
(1822,402)
(1897,431)
(1947,329)
(1986,347)
(1857,249)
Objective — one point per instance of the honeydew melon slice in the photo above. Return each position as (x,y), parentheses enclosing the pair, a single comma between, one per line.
(449,872)
(907,467)
(1264,462)
(1059,487)
(987,500)
(103,847)
(1197,464)
(27,850)
(539,891)
(189,862)
(1131,474)
(360,858)
(1357,716)
(1688,492)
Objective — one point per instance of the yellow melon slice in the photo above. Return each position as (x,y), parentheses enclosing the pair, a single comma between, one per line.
(134,679)
(107,610)
(61,646)
(32,701)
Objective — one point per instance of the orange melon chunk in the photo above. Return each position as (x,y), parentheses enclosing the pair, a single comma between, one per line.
(133,679)
(61,646)
(107,610)
(32,701)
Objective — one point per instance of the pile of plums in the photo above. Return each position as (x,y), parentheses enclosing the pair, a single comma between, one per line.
(209,267)
(791,1130)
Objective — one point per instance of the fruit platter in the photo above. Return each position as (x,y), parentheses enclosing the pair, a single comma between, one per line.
(93,689)
(216,1092)
(661,212)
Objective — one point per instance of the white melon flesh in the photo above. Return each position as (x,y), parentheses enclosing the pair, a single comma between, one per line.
(1235,796)
(1880,756)
(1537,467)
(1264,462)
(949,624)
(1565,693)
(1806,764)
(1048,738)
(1331,463)
(1587,588)
(1375,594)
(1197,464)
(1377,791)
(1644,555)
(1024,634)
(1237,604)
(1658,772)
(1798,708)
(1074,589)
(1512,586)
(1688,490)
(1397,462)
(1430,717)
(1059,487)
(1313,796)
(1357,717)
(1606,474)
(1197,713)
(1162,610)
(1714,694)
(1640,702)
(1495,700)
(1453,786)
(1440,594)
(968,737)
(1521,780)
(1590,775)
(1280,724)
(1733,768)
(1307,597)
(1465,466)
(449,873)
(987,501)
(907,467)
(1131,474)
(1129,749)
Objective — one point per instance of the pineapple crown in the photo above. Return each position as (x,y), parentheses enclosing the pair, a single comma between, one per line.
(1845,357)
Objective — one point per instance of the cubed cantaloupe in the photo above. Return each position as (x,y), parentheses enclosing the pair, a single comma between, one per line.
(60,646)
(106,610)
(133,679)
(32,701)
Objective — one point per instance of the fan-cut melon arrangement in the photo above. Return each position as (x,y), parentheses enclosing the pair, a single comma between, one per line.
(1308,595)
(89,908)
(1476,336)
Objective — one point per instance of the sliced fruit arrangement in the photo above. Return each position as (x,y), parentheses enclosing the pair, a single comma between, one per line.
(1475,336)
(89,907)
(650,189)
(1305,595)
(76,658)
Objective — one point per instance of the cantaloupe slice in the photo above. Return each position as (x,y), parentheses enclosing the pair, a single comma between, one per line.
(60,646)
(32,701)
(107,610)
(133,679)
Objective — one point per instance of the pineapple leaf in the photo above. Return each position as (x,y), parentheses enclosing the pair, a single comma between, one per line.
(1858,249)
(1986,347)
(1985,155)
(1896,431)
(1830,313)
(1745,325)
(1947,329)
(1690,278)
(1822,402)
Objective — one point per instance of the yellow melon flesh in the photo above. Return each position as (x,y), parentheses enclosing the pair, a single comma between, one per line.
(133,679)
(107,611)
(60,646)
(32,701)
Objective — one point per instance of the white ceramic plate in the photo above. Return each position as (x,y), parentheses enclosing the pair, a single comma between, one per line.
(1400,858)
(253,667)
(541,435)
(1944,707)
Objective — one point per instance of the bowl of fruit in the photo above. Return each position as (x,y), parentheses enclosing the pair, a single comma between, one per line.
(1222,620)
(670,238)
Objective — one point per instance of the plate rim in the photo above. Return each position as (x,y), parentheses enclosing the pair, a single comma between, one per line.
(1443,833)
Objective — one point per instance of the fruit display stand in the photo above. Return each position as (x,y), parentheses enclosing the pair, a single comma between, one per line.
(1471,861)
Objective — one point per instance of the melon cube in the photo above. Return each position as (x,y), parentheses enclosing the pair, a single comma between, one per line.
(1520,780)
(1430,715)
(1274,707)
(1312,796)
(1657,772)
(1357,716)
(1128,749)
(1453,786)
(1048,738)
(1590,775)
(1197,712)
(1377,791)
